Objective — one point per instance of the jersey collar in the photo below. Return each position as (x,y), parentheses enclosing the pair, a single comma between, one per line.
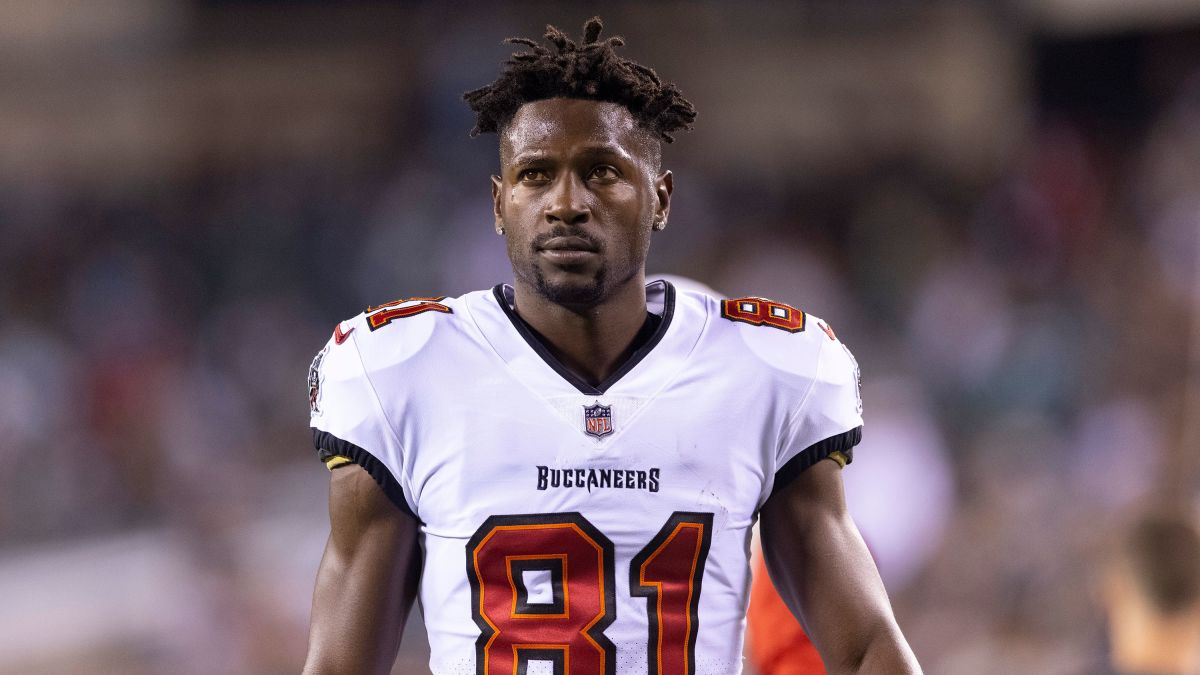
(660,301)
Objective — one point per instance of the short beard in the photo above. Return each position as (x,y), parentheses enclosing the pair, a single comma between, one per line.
(577,296)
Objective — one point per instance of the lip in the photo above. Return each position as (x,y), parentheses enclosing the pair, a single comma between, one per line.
(567,256)
(568,245)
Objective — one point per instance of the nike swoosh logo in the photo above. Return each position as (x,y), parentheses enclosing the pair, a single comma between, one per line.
(338,336)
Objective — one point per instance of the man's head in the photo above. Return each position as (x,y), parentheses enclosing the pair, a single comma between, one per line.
(580,186)
(1153,596)
(1161,554)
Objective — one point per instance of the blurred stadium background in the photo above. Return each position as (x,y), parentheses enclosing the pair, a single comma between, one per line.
(997,205)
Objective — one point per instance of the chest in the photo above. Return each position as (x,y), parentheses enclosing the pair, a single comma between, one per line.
(501,448)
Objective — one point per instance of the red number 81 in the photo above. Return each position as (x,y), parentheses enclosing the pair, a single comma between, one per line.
(577,561)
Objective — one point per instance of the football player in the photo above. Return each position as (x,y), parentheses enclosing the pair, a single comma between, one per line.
(565,470)
(1152,595)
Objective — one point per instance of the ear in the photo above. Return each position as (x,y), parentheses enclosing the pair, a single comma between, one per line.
(497,192)
(664,185)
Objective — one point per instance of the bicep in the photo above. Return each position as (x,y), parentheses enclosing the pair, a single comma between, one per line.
(821,567)
(367,579)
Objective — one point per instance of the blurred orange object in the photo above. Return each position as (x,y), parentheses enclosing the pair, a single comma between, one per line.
(777,642)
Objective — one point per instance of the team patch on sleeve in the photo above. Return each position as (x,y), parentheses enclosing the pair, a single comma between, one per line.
(857,379)
(314,381)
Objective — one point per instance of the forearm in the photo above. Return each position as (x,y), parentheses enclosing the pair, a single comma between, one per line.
(851,597)
(847,614)
(825,574)
(357,619)
(884,651)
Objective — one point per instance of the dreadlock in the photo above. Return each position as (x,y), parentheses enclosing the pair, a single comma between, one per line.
(591,70)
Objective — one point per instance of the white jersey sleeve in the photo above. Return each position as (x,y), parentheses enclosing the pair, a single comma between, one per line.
(347,420)
(827,422)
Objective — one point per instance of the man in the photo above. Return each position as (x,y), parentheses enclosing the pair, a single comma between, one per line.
(776,643)
(567,469)
(1152,593)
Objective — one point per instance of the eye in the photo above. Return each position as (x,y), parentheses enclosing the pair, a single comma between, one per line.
(604,173)
(532,176)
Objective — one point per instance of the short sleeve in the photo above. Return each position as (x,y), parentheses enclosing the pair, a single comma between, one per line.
(828,421)
(347,421)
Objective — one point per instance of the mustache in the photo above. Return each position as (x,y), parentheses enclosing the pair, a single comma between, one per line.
(540,240)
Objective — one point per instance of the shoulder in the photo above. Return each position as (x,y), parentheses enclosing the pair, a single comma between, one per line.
(781,337)
(402,329)
(388,335)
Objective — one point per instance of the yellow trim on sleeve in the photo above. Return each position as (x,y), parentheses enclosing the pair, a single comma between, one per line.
(336,461)
(839,457)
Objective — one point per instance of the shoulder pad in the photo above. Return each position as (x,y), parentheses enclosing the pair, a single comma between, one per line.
(784,337)
(396,330)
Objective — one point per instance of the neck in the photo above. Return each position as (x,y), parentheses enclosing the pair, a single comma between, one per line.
(591,341)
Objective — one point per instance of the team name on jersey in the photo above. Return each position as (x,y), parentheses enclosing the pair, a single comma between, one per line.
(626,479)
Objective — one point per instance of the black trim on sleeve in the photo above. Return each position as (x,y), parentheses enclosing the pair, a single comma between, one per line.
(843,443)
(329,445)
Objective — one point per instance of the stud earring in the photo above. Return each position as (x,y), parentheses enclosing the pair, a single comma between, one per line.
(500,230)
(660,224)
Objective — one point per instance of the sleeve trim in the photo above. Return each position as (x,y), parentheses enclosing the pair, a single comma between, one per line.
(840,447)
(330,448)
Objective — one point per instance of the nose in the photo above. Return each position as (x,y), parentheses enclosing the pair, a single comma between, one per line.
(568,201)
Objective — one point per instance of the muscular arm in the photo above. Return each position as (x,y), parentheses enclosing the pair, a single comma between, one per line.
(367,580)
(823,571)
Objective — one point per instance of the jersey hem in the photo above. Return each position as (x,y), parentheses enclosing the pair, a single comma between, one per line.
(842,443)
(329,446)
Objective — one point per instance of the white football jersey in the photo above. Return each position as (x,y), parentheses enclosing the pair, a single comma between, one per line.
(568,528)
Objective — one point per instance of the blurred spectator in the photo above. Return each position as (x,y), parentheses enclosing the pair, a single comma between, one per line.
(193,193)
(1152,595)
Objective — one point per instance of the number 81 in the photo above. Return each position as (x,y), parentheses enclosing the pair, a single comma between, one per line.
(577,558)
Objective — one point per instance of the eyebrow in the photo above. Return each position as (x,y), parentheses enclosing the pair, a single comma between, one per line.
(588,150)
(527,157)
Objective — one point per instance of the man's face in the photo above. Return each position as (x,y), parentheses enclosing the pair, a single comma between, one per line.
(577,197)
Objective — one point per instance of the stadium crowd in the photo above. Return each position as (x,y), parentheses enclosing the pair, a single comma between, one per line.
(1023,335)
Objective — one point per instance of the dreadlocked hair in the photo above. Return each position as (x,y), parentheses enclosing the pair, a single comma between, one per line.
(591,70)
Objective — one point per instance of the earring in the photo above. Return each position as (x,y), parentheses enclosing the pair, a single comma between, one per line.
(500,230)
(660,224)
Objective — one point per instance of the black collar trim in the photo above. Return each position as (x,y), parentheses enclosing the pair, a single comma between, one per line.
(535,341)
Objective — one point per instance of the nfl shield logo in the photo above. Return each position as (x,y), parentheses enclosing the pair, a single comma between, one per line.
(597,420)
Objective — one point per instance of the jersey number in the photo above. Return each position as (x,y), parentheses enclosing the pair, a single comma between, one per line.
(569,564)
(382,315)
(763,312)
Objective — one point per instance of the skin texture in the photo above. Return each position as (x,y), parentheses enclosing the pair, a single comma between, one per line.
(826,576)
(367,580)
(578,197)
(580,174)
